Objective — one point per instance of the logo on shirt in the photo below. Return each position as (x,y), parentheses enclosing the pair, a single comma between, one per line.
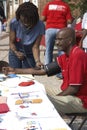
(57,7)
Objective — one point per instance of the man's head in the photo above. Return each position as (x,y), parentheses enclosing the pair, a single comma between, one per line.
(27,13)
(65,39)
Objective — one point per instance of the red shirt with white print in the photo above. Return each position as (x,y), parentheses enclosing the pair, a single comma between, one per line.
(57,13)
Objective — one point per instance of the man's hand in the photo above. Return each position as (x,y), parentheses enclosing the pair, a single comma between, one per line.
(8,70)
(71,90)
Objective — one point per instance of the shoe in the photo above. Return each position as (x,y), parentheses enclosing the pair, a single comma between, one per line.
(59,76)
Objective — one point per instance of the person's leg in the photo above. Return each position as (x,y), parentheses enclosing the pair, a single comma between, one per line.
(64,104)
(67,104)
(50,41)
(85,49)
(59,76)
(60,53)
(14,61)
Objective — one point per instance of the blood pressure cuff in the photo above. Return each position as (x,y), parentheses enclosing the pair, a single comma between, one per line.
(52,68)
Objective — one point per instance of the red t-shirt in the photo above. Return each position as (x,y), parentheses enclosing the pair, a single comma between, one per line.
(57,13)
(74,71)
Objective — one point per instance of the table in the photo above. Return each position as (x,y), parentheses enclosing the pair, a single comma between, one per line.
(29,115)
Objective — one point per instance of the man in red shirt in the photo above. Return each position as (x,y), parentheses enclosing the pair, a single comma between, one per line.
(71,97)
(57,15)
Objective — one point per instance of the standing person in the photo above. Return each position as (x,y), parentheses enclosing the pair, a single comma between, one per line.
(57,15)
(71,96)
(2,18)
(2,14)
(78,30)
(84,36)
(26,31)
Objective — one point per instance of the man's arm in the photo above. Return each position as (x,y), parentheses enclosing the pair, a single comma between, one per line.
(49,69)
(71,90)
(33,71)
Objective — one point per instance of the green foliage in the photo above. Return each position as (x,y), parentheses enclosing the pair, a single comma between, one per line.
(83,6)
(67,1)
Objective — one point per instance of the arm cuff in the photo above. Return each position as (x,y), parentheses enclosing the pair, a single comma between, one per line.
(52,69)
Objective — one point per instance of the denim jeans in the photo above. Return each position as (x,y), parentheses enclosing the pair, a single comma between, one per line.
(50,37)
(25,63)
(60,53)
(85,49)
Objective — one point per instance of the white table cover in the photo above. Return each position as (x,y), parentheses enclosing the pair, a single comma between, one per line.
(41,116)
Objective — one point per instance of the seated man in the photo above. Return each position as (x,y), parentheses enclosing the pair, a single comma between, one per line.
(72,97)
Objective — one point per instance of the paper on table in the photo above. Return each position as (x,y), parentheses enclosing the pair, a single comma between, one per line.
(10,82)
(13,82)
(28,76)
(41,123)
(33,111)
(3,99)
(44,124)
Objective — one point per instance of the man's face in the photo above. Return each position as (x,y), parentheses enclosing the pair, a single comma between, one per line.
(62,41)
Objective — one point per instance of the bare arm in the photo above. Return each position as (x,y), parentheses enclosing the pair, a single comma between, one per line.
(12,38)
(34,71)
(12,41)
(71,90)
(49,70)
(36,51)
(31,71)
